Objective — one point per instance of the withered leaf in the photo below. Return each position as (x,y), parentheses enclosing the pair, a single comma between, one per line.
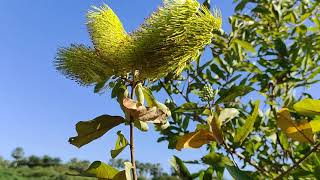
(139,112)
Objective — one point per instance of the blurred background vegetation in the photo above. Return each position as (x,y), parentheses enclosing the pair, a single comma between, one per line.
(53,168)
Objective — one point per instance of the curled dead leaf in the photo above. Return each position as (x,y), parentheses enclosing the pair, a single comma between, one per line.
(146,114)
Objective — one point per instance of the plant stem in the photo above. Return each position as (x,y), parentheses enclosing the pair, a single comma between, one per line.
(314,149)
(134,169)
(133,162)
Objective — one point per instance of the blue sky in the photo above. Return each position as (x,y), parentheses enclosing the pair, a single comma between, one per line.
(38,106)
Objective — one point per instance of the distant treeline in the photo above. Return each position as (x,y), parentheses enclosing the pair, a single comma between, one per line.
(53,168)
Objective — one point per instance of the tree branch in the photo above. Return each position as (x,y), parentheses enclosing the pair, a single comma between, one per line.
(314,149)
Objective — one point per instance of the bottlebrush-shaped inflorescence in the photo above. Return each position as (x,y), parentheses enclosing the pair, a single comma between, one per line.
(169,39)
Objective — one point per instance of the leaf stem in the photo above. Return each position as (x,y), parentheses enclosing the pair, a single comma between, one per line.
(133,162)
(314,149)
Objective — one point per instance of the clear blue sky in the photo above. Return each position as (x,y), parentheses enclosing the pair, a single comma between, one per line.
(38,106)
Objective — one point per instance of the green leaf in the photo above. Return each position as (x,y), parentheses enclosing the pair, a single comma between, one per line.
(237,174)
(188,107)
(101,170)
(308,107)
(281,47)
(139,93)
(247,128)
(141,125)
(245,45)
(180,168)
(91,130)
(121,144)
(315,124)
(151,100)
(228,95)
(216,160)
(283,140)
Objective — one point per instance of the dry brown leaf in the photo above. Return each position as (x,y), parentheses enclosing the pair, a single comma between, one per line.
(139,112)
(297,131)
(195,139)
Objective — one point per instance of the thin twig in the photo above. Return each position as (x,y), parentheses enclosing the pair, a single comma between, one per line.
(314,149)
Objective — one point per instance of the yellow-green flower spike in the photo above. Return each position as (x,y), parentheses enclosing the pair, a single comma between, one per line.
(168,40)
(82,64)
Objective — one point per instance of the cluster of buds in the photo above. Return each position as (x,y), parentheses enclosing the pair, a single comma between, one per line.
(207,93)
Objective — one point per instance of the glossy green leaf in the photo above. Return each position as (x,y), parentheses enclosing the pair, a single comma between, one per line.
(308,107)
(91,130)
(121,144)
(247,128)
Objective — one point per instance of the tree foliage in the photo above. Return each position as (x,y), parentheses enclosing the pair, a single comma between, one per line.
(248,105)
(271,54)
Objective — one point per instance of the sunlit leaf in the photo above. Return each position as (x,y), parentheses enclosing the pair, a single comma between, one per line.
(308,107)
(215,127)
(121,143)
(139,93)
(228,114)
(247,128)
(300,132)
(315,124)
(101,170)
(195,139)
(246,45)
(91,130)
